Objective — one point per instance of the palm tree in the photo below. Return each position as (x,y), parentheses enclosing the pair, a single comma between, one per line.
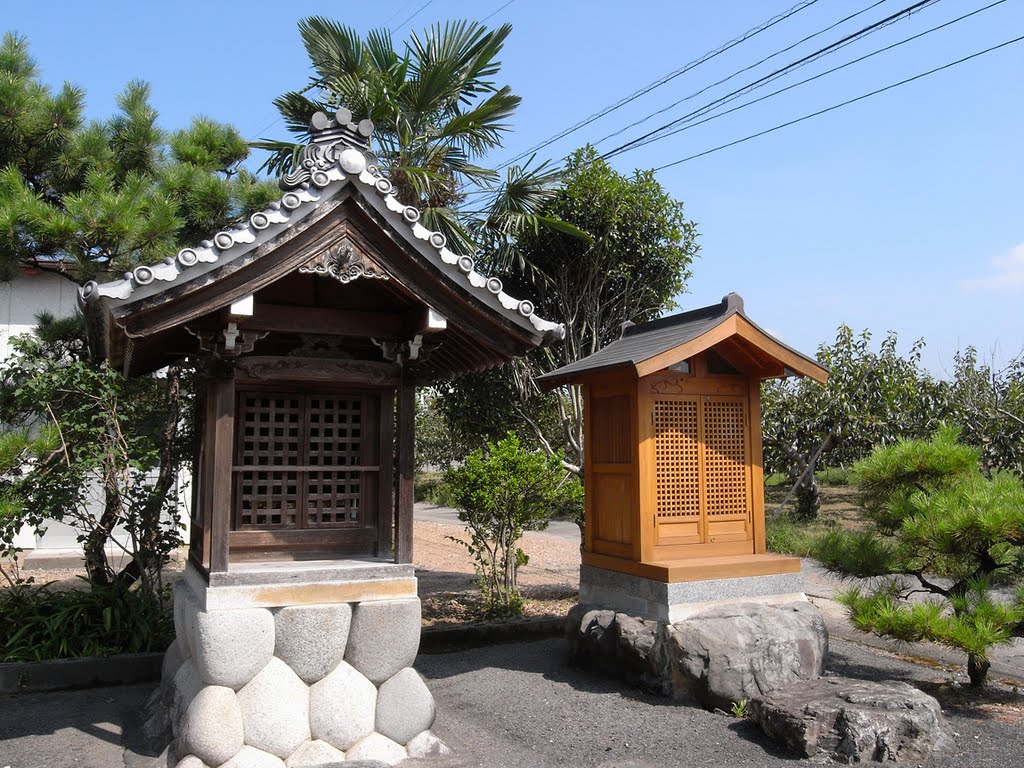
(436,110)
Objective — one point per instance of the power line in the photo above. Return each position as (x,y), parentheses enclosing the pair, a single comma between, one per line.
(401,7)
(762,81)
(663,80)
(746,104)
(756,64)
(842,104)
(495,13)
(413,16)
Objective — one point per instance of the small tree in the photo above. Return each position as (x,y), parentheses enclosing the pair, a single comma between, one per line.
(872,398)
(501,492)
(939,528)
(76,436)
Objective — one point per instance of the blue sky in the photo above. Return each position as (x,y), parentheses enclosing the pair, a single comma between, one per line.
(901,212)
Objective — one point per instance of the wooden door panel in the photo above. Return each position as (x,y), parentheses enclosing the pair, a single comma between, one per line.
(613,506)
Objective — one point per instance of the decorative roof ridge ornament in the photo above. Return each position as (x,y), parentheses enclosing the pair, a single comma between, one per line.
(336,141)
(344,263)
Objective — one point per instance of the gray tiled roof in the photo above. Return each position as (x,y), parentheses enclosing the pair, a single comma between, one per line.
(642,342)
(338,156)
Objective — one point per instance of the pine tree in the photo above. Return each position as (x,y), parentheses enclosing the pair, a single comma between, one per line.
(104,196)
(939,528)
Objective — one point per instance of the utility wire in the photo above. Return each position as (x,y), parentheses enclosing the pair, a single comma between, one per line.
(724,80)
(412,16)
(761,81)
(842,104)
(496,12)
(827,72)
(663,80)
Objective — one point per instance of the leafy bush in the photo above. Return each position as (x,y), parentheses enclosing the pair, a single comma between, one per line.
(501,492)
(941,527)
(47,624)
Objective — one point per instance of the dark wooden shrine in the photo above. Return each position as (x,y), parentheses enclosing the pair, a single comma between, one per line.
(310,325)
(672,445)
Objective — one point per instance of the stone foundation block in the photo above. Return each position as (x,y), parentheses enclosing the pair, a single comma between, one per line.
(185,609)
(314,754)
(173,659)
(377,747)
(342,708)
(405,708)
(426,744)
(384,637)
(727,653)
(275,710)
(854,720)
(231,647)
(734,652)
(186,685)
(312,639)
(211,728)
(250,757)
(191,761)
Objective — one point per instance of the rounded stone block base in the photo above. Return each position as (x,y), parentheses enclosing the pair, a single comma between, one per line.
(295,686)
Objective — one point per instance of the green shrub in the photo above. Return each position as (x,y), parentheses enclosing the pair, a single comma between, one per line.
(41,623)
(501,492)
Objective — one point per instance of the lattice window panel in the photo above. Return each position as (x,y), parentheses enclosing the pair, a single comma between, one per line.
(319,436)
(335,431)
(676,452)
(271,437)
(725,458)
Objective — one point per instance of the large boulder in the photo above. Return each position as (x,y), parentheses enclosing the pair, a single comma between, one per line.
(719,656)
(854,720)
(739,651)
(377,747)
(342,707)
(315,754)
(405,708)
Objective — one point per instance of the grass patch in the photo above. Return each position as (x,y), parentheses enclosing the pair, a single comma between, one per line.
(786,535)
(41,623)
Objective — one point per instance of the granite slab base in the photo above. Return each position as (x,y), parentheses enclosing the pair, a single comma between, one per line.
(658,601)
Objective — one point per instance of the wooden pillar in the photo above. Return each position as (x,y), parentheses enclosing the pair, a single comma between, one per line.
(385,491)
(220,445)
(406,461)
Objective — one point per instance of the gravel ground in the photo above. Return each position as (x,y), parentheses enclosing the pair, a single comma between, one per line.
(522,705)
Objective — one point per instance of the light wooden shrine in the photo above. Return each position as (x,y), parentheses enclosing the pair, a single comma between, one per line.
(672,446)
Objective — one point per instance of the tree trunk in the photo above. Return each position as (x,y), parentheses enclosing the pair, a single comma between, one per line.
(977,669)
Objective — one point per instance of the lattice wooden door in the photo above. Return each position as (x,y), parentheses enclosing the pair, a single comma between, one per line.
(701,470)
(300,462)
(677,471)
(726,469)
